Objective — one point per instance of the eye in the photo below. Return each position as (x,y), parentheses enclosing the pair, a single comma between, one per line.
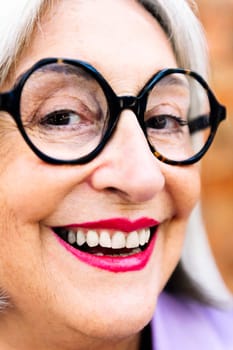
(61,118)
(165,122)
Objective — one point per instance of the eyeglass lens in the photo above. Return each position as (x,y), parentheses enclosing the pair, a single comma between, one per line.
(177,117)
(65,113)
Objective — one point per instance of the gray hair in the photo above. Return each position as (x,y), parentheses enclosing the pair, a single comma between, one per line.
(18,19)
(4,300)
(184,31)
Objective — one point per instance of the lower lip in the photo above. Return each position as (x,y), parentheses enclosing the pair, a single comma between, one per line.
(133,262)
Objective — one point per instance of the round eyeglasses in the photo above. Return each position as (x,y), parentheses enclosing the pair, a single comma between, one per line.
(66,112)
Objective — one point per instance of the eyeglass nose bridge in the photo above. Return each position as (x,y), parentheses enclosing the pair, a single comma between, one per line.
(135,104)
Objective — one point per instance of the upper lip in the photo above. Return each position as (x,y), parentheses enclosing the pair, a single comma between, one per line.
(122,224)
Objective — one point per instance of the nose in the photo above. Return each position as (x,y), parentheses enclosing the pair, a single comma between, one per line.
(127,166)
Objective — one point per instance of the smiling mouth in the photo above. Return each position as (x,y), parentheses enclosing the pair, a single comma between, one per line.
(105,242)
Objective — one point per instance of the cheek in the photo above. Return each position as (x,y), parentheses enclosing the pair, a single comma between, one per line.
(183,189)
(31,189)
(25,195)
(183,186)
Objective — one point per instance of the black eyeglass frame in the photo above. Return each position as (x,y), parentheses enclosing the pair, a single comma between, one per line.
(10,102)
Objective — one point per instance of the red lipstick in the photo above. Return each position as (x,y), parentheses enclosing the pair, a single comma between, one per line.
(122,224)
(119,263)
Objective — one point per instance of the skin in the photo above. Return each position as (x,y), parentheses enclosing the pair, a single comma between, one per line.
(59,302)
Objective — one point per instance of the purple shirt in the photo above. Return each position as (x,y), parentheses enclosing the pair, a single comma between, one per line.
(181,324)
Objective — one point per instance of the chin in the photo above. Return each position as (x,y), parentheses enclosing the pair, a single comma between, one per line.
(120,316)
(119,326)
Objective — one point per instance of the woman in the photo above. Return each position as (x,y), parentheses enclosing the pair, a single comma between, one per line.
(97,185)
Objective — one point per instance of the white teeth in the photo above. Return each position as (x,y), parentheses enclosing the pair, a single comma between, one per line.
(132,240)
(105,240)
(142,236)
(92,238)
(118,240)
(135,251)
(71,237)
(80,237)
(147,235)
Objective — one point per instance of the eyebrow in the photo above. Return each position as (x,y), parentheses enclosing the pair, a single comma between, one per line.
(173,80)
(56,67)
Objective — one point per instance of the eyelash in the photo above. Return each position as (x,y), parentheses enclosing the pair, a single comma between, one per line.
(180,121)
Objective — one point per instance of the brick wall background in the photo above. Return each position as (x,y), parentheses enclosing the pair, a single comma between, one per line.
(217,18)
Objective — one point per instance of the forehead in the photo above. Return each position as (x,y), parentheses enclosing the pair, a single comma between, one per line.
(119,37)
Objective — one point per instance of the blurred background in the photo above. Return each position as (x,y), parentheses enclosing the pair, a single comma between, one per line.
(217,167)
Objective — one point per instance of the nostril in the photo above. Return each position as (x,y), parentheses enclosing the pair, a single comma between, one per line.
(118,192)
(112,189)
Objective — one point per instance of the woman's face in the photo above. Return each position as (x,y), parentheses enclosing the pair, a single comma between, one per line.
(54,291)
